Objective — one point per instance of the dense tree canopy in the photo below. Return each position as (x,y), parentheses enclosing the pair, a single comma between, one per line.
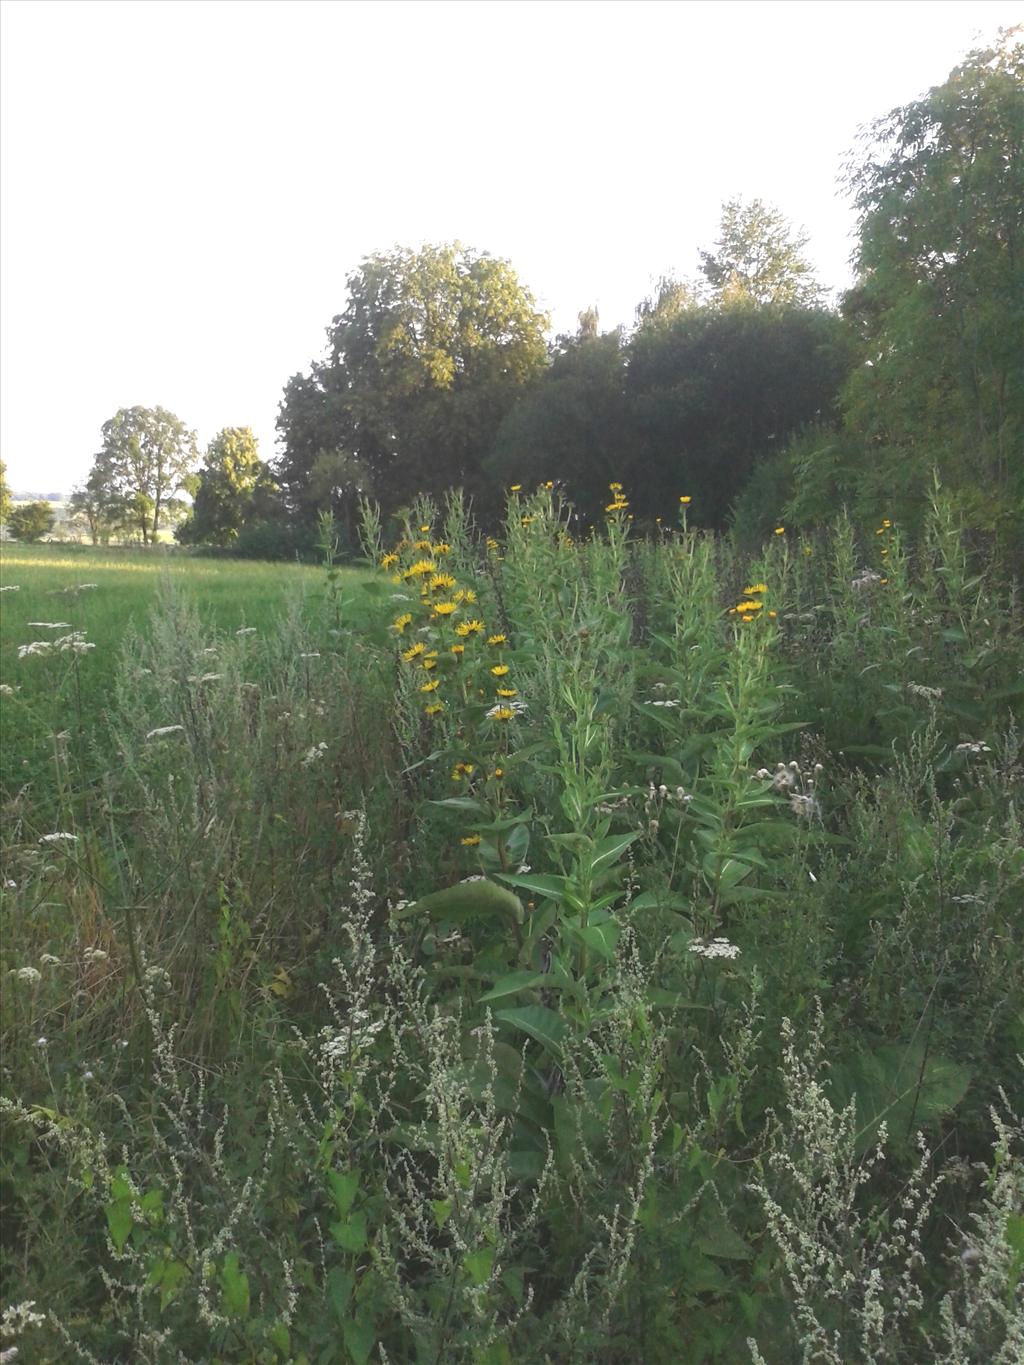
(428,356)
(235,488)
(758,259)
(30,521)
(939,301)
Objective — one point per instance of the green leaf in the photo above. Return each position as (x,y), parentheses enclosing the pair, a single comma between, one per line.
(550,886)
(340,1284)
(539,1022)
(479,1265)
(463,803)
(600,938)
(234,1287)
(610,850)
(469,900)
(360,1337)
(513,984)
(344,1188)
(120,1221)
(442,1209)
(350,1235)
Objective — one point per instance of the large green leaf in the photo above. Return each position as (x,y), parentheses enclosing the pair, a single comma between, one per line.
(539,1022)
(513,984)
(478,899)
(610,850)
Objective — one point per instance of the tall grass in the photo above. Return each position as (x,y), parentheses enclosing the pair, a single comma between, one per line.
(532,950)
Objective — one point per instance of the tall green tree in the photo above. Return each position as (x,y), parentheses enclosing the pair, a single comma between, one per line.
(146,458)
(98,510)
(424,362)
(234,488)
(759,259)
(939,300)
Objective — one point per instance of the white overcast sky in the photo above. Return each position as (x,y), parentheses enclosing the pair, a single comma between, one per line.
(186,185)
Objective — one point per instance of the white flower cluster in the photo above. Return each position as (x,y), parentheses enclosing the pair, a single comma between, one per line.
(205,677)
(6,690)
(973,746)
(669,701)
(58,838)
(337,1045)
(246,630)
(11,587)
(29,974)
(75,643)
(929,693)
(716,947)
(95,955)
(50,625)
(162,730)
(865,579)
(316,751)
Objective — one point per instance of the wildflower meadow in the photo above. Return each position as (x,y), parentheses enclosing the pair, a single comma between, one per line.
(584,942)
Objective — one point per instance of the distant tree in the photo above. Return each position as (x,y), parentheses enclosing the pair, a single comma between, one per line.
(758,259)
(233,488)
(99,512)
(428,356)
(938,305)
(671,298)
(30,521)
(146,457)
(5,495)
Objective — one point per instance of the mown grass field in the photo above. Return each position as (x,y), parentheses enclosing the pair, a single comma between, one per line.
(530,949)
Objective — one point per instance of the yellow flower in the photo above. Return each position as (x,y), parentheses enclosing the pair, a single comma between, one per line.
(746,618)
(749,606)
(434,709)
(615,487)
(757,587)
(462,770)
(499,670)
(388,560)
(431,686)
(526,521)
(428,664)
(686,499)
(498,772)
(886,522)
(465,628)
(506,692)
(464,595)
(773,614)
(619,505)
(458,649)
(414,651)
(421,567)
(442,580)
(445,608)
(470,841)
(780,530)
(514,488)
(502,713)
(442,548)
(883,581)
(497,639)
(400,622)
(883,553)
(492,544)
(423,545)
(549,485)
(425,530)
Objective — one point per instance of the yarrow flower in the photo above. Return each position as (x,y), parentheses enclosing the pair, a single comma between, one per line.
(11,587)
(162,730)
(58,838)
(717,947)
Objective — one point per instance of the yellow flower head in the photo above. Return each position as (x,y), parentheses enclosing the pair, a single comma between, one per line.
(746,618)
(445,608)
(497,639)
(506,692)
(414,651)
(400,622)
(442,548)
(526,521)
(458,649)
(430,686)
(441,580)
(498,772)
(492,544)
(434,709)
(686,499)
(423,545)
(886,523)
(473,627)
(470,841)
(462,770)
(425,530)
(549,485)
(749,606)
(514,488)
(502,713)
(499,670)
(387,561)
(615,487)
(619,505)
(780,530)
(773,614)
(466,595)
(756,587)
(428,664)
(421,567)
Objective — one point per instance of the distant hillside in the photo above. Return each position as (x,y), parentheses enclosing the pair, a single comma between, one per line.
(38,497)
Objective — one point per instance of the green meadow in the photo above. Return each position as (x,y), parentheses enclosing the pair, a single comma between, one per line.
(538,947)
